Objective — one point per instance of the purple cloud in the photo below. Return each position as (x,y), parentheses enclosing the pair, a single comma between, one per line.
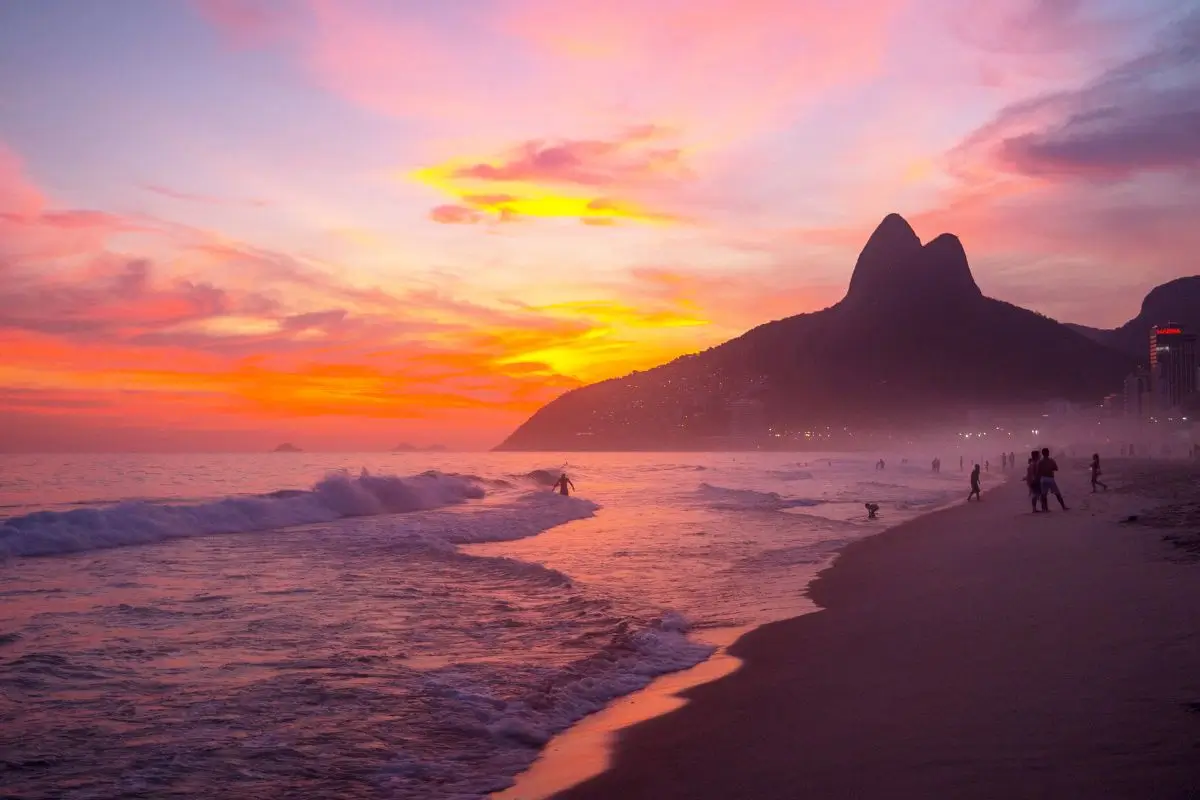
(1141,116)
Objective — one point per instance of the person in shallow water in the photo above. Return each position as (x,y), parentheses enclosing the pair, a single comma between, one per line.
(562,483)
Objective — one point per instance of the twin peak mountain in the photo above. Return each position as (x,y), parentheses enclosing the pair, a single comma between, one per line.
(913,343)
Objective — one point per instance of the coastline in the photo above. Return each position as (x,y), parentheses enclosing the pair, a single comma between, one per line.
(976,651)
(586,750)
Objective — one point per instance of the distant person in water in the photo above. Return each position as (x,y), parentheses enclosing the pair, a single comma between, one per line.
(562,483)
(975,485)
(1034,482)
(1096,474)
(1047,466)
(872,510)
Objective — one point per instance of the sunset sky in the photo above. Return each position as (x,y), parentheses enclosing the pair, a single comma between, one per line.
(347,224)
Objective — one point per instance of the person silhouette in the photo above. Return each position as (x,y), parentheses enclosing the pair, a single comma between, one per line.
(975,485)
(1096,474)
(1047,466)
(1034,482)
(562,483)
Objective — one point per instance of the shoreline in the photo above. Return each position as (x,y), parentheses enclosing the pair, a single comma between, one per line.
(1035,670)
(586,749)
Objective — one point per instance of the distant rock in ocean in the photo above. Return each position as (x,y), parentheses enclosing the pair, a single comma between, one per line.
(914,343)
(288,447)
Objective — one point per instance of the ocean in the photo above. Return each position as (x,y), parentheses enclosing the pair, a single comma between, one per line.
(383,625)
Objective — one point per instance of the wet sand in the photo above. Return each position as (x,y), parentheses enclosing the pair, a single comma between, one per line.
(979,652)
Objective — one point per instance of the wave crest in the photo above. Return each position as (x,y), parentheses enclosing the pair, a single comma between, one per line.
(336,496)
(726,499)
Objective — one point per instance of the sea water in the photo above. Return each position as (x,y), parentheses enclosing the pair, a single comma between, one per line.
(374,625)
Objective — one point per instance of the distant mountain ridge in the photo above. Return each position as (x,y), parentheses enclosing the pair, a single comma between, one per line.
(1174,301)
(913,340)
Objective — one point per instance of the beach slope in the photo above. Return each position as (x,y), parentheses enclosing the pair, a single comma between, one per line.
(980,652)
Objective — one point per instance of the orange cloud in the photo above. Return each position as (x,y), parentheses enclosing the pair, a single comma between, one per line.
(455,215)
(564,178)
(118,340)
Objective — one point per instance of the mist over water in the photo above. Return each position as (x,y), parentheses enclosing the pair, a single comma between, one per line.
(408,633)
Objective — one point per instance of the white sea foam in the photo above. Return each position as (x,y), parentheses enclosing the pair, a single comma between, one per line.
(518,728)
(336,496)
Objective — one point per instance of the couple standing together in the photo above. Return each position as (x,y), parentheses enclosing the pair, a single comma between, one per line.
(1040,478)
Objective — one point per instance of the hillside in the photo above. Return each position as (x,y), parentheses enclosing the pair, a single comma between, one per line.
(1176,301)
(914,342)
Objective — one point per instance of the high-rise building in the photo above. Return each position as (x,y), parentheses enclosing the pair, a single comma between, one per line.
(1172,365)
(1137,395)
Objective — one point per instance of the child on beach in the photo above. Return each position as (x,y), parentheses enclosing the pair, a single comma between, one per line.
(975,485)
(1096,474)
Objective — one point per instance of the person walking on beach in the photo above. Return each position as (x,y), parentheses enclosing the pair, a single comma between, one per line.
(561,485)
(1096,474)
(1047,466)
(975,485)
(1034,482)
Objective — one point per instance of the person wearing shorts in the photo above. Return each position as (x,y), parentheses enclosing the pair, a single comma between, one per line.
(1047,466)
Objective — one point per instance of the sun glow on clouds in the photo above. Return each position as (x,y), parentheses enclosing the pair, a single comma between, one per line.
(593,181)
(441,216)
(231,333)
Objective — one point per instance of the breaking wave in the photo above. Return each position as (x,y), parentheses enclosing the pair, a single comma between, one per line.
(725,499)
(542,477)
(336,496)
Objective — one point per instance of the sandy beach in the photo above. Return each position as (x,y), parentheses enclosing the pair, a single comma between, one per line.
(979,652)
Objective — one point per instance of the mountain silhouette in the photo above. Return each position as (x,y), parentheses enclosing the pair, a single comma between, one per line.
(914,342)
(1176,301)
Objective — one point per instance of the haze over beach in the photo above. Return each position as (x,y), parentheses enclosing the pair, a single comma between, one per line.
(517,399)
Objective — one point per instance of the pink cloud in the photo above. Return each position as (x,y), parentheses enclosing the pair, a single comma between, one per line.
(29,229)
(632,158)
(248,22)
(18,196)
(713,69)
(201,198)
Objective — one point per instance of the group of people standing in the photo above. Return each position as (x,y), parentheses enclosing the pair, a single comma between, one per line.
(1040,477)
